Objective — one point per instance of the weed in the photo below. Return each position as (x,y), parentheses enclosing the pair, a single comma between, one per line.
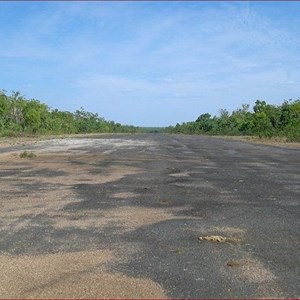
(26,154)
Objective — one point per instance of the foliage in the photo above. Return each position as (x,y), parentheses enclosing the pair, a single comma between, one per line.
(19,116)
(151,129)
(266,120)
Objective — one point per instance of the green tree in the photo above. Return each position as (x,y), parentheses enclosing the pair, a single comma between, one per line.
(262,123)
(204,122)
(33,120)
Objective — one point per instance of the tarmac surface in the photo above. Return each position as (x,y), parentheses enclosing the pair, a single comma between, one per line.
(120,216)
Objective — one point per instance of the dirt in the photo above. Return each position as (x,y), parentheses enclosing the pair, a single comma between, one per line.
(69,275)
(119,217)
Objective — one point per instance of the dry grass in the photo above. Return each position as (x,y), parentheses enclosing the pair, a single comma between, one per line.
(275,141)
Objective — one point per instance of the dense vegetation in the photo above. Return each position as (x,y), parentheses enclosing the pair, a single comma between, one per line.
(265,120)
(151,129)
(20,116)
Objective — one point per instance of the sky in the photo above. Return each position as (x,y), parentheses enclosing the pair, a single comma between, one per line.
(150,63)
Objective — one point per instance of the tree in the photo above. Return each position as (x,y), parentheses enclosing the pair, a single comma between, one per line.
(204,122)
(19,115)
(262,119)
(33,120)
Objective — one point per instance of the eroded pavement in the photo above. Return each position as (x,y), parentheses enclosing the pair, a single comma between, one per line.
(120,217)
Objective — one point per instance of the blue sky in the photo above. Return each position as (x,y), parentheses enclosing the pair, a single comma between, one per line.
(151,63)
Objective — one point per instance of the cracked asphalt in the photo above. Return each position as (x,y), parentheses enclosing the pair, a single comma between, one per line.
(120,216)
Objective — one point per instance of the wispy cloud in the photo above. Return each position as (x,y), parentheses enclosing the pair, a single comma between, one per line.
(188,57)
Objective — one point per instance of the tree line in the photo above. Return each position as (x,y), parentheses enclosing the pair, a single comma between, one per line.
(21,116)
(266,120)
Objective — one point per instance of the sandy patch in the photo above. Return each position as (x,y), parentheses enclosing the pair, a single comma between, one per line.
(74,168)
(183,174)
(255,272)
(227,230)
(54,189)
(124,195)
(53,177)
(84,174)
(252,271)
(42,187)
(83,144)
(70,275)
(14,209)
(9,157)
(126,218)
(196,185)
(246,268)
(249,269)
(134,217)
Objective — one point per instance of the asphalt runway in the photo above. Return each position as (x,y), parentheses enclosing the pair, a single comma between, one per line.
(120,216)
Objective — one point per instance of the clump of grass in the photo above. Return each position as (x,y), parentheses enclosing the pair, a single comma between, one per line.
(26,154)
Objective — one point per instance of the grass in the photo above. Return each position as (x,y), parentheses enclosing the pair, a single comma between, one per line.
(26,154)
(274,141)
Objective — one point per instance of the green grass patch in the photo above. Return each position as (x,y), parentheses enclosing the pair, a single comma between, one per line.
(26,154)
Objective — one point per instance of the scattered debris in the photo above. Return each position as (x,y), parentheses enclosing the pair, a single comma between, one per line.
(219,239)
(164,202)
(26,154)
(213,238)
(236,263)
